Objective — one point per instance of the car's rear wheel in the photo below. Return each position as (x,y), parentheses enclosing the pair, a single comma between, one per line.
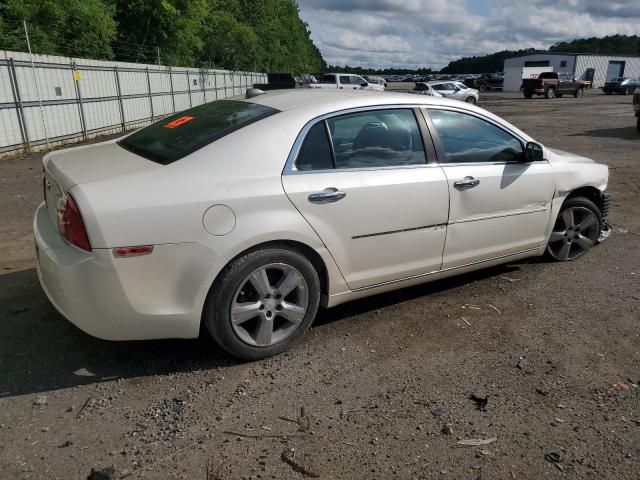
(471,100)
(607,93)
(579,93)
(263,303)
(550,93)
(576,230)
(528,94)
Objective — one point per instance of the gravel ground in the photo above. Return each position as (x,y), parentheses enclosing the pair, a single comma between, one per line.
(380,388)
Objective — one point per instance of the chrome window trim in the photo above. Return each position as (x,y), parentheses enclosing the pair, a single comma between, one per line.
(290,167)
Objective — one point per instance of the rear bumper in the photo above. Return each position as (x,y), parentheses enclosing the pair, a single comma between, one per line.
(154,296)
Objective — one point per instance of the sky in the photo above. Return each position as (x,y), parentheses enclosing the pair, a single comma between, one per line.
(431,33)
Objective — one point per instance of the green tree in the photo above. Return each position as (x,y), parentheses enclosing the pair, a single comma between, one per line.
(173,26)
(79,28)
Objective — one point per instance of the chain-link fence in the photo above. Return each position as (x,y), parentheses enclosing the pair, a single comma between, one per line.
(57,100)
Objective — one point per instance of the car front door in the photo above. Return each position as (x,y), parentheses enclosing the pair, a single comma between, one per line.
(363,182)
(499,205)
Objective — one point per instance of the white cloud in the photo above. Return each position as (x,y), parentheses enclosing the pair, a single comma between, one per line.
(430,33)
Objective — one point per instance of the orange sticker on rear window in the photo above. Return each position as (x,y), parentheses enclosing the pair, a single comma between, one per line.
(177,122)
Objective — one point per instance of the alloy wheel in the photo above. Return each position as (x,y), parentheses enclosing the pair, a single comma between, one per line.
(269,305)
(576,230)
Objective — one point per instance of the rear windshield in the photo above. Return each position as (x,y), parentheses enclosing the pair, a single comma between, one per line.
(179,135)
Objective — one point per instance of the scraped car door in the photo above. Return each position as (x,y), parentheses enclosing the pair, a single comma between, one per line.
(500,205)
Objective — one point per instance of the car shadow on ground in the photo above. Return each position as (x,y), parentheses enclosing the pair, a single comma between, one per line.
(42,351)
(624,133)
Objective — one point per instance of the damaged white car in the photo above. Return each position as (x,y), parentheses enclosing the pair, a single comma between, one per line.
(246,216)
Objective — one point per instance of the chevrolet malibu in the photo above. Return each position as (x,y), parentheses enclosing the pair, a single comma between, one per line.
(245,216)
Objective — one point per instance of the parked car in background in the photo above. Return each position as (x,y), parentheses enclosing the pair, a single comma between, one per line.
(456,91)
(277,81)
(622,85)
(345,81)
(485,82)
(372,79)
(243,217)
(551,85)
(636,106)
(423,88)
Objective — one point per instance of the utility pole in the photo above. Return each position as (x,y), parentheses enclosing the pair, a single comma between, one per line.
(33,71)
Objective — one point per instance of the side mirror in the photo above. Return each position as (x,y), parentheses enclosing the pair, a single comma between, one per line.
(533,152)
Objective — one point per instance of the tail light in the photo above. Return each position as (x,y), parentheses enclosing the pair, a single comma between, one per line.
(540,83)
(71,225)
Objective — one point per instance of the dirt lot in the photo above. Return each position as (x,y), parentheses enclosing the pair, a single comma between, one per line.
(379,389)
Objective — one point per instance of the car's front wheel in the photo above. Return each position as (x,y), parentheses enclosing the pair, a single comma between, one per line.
(471,100)
(576,230)
(579,93)
(263,303)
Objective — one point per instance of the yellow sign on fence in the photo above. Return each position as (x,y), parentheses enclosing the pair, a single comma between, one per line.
(76,75)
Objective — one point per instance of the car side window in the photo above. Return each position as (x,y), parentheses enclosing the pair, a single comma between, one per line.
(469,139)
(344,80)
(315,152)
(377,138)
(372,139)
(438,86)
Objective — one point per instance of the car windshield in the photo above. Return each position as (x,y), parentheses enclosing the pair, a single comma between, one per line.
(461,85)
(179,135)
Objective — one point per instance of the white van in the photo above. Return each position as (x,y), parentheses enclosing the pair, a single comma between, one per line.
(345,81)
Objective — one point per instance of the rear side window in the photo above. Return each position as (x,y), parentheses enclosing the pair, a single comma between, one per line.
(344,80)
(177,136)
(315,153)
(328,79)
(372,139)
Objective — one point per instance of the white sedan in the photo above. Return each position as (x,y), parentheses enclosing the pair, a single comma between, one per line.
(457,91)
(246,216)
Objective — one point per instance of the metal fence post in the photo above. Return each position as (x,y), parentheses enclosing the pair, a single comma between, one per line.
(204,90)
(79,99)
(215,83)
(119,90)
(189,88)
(150,97)
(15,90)
(173,98)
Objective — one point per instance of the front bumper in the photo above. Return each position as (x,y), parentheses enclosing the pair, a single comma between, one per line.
(154,296)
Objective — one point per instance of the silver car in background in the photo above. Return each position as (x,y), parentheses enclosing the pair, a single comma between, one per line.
(423,88)
(456,91)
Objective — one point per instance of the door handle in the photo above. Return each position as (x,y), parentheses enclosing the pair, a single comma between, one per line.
(466,182)
(330,195)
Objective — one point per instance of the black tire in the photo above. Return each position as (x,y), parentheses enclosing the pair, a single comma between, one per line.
(579,203)
(528,94)
(550,93)
(217,311)
(471,100)
(607,93)
(482,87)
(579,93)
(638,124)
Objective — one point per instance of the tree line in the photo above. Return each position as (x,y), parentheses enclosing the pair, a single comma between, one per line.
(265,35)
(494,62)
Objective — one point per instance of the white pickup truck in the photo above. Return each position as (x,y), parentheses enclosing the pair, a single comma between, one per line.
(345,81)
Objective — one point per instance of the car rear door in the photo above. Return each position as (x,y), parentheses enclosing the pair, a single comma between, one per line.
(363,182)
(499,205)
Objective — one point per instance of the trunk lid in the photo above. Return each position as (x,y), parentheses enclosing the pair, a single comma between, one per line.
(89,163)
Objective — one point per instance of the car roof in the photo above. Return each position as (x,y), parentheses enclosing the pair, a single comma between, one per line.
(334,99)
